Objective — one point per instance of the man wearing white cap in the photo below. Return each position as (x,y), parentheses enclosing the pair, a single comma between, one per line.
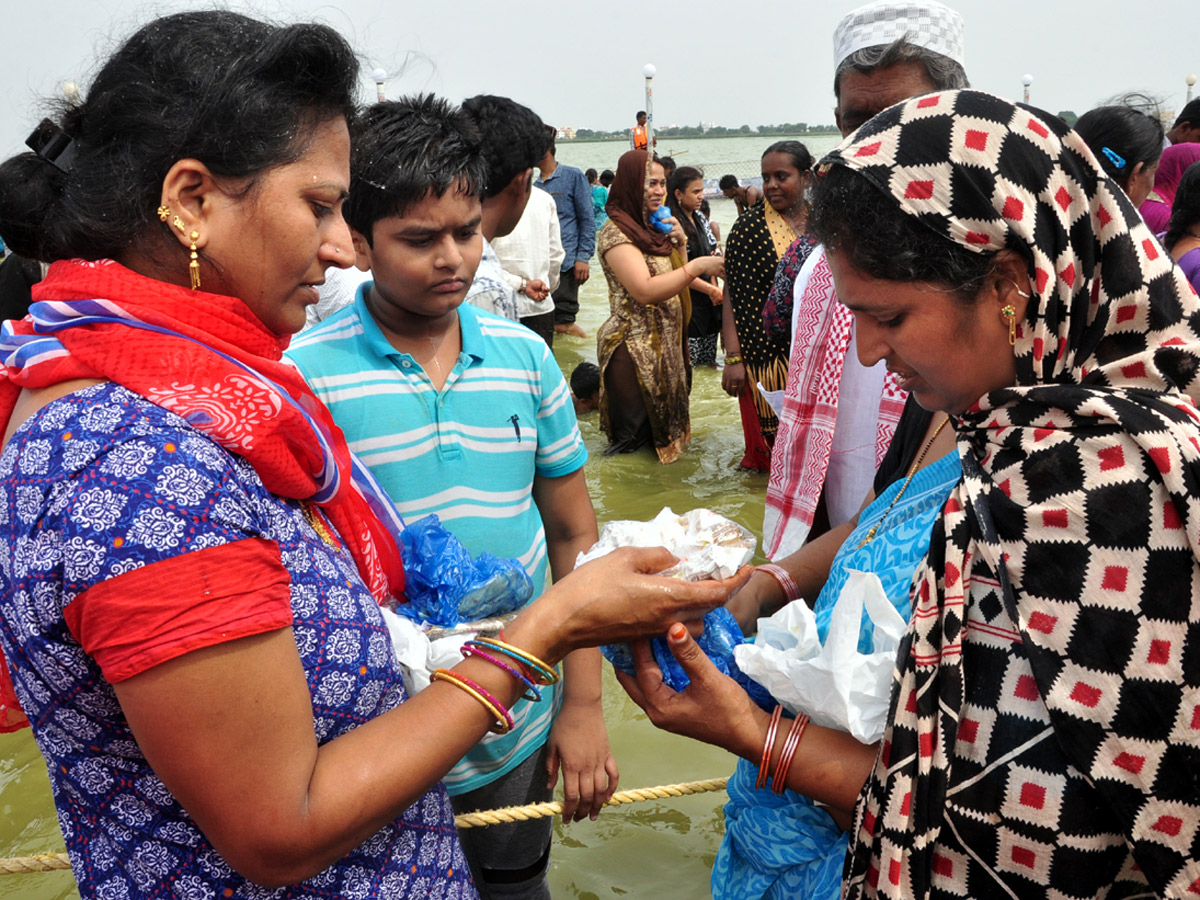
(838,418)
(836,422)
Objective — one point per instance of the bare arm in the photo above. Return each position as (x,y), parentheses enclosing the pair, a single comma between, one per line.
(579,739)
(733,377)
(229,728)
(809,567)
(628,264)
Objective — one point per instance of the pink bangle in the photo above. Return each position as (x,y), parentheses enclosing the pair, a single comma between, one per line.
(504,719)
(789,750)
(780,574)
(531,690)
(768,746)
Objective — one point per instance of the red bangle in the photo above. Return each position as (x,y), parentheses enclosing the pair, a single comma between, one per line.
(789,751)
(768,746)
(779,573)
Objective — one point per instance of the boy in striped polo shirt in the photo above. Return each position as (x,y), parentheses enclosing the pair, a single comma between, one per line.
(465,414)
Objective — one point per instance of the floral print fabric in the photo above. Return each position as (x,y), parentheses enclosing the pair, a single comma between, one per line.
(102,482)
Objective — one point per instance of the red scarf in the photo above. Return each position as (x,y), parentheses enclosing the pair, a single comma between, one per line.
(182,373)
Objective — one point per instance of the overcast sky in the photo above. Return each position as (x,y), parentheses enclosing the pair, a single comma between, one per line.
(580,64)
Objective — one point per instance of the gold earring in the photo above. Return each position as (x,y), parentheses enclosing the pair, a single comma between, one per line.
(1010,312)
(194,265)
(164,213)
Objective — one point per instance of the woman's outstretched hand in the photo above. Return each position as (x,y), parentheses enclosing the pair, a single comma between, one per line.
(713,708)
(619,597)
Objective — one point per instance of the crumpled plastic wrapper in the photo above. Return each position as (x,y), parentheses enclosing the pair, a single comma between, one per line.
(708,545)
(445,585)
(837,686)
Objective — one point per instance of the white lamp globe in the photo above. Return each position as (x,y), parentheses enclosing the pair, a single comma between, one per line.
(648,70)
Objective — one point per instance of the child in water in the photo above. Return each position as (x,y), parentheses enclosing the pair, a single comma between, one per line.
(585,388)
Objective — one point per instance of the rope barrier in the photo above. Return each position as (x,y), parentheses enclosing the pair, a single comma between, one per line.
(23,865)
(52,862)
(553,808)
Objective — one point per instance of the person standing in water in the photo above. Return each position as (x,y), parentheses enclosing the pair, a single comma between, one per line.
(577,229)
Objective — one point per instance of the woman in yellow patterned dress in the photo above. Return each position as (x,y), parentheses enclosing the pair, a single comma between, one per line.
(642,347)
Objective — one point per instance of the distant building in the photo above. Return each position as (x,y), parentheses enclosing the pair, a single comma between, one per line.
(567,133)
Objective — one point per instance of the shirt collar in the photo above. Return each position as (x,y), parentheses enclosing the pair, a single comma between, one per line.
(378,344)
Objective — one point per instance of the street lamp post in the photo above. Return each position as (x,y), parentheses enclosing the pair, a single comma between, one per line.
(380,76)
(1027,80)
(649,72)
(1191,83)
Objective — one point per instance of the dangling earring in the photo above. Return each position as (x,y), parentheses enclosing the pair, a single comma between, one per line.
(194,265)
(164,213)
(1010,312)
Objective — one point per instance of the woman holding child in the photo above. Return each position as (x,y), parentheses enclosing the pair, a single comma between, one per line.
(642,347)
(191,560)
(1041,732)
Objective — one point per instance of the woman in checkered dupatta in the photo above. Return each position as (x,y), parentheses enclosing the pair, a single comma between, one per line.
(1044,724)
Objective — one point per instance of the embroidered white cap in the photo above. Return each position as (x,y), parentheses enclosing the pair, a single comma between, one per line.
(922,22)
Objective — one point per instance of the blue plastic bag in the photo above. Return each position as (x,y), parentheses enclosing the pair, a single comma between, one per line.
(721,635)
(445,586)
(658,219)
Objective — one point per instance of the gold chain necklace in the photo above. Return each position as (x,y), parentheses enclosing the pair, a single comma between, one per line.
(904,487)
(318,524)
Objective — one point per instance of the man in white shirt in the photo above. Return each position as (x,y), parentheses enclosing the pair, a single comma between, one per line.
(512,136)
(531,255)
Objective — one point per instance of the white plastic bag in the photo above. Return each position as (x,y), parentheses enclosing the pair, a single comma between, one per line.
(707,544)
(835,684)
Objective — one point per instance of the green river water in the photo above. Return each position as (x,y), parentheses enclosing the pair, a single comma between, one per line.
(661,849)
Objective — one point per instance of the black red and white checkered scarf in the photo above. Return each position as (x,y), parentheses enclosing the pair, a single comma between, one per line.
(1045,711)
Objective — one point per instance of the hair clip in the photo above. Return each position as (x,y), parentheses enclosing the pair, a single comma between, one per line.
(52,144)
(1113,157)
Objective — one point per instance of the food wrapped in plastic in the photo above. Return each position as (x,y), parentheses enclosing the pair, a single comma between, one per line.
(707,545)
(445,586)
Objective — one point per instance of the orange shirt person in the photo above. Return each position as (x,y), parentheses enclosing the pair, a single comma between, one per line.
(639,135)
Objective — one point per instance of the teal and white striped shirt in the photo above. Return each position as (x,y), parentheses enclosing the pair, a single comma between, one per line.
(468,453)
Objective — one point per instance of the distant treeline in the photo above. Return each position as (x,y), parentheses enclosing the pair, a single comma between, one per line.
(791,128)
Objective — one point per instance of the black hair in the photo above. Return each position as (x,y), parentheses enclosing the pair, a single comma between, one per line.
(240,95)
(513,136)
(404,150)
(1185,209)
(548,141)
(727,182)
(667,163)
(1190,114)
(607,177)
(678,181)
(1121,136)
(705,209)
(640,113)
(591,176)
(944,73)
(585,380)
(801,158)
(850,216)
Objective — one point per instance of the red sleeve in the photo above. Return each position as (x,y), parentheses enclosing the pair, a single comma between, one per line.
(153,614)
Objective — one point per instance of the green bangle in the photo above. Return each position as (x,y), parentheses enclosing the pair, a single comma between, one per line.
(733,360)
